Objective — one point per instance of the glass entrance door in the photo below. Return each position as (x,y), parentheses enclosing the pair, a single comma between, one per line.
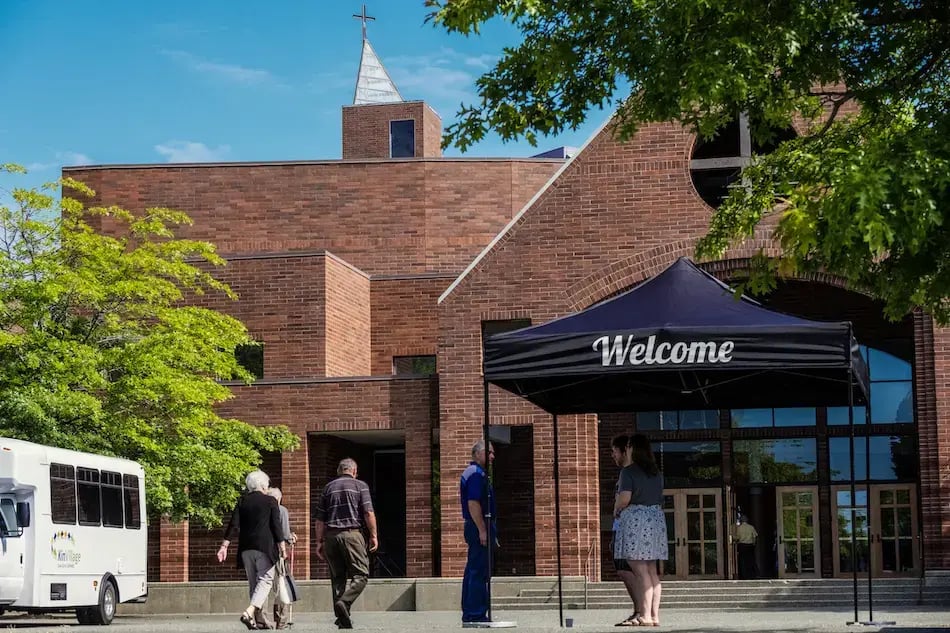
(797,536)
(892,538)
(694,533)
(894,533)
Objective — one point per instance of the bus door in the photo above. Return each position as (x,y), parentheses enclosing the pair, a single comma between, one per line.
(11,548)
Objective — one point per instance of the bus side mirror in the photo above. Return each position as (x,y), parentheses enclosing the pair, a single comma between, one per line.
(23,514)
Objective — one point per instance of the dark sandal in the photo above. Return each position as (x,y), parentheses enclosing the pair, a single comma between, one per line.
(248,621)
(630,620)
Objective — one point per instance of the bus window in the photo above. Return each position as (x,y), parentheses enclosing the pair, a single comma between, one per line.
(111,499)
(62,484)
(130,489)
(8,524)
(87,487)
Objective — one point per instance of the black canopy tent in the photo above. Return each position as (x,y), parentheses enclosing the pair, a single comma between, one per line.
(681,340)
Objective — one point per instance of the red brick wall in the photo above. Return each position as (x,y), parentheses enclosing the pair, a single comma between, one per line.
(153,569)
(174,549)
(366,129)
(347,320)
(374,215)
(404,320)
(935,453)
(281,300)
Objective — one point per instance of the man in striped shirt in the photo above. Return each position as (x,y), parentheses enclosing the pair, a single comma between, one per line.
(344,509)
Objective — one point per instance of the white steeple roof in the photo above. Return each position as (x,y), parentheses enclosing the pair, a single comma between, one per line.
(373,84)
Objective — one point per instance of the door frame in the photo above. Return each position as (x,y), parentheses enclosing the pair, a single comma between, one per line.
(680,539)
(874,528)
(780,527)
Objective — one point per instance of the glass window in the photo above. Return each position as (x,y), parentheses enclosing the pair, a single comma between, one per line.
(111,499)
(892,402)
(775,461)
(689,464)
(62,483)
(87,489)
(424,365)
(402,139)
(692,420)
(251,358)
(893,458)
(838,416)
(500,326)
(750,418)
(892,392)
(795,416)
(677,420)
(884,366)
(8,520)
(130,492)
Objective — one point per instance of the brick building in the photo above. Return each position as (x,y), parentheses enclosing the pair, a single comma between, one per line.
(371,280)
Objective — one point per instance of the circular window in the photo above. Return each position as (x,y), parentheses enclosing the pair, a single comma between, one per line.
(718,162)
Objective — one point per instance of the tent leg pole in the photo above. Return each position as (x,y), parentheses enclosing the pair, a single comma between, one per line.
(557,520)
(490,516)
(854,500)
(867,485)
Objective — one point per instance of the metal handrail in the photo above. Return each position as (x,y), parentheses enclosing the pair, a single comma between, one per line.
(588,568)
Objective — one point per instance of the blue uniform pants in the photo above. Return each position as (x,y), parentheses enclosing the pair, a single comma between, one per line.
(475,580)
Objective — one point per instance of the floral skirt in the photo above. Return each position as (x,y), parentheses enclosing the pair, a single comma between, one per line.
(642,534)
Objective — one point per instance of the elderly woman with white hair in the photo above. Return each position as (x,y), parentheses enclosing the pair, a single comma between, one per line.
(256,523)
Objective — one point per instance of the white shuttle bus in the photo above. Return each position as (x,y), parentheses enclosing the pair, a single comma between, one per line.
(72,530)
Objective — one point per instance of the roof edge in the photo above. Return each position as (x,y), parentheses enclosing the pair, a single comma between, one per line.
(524,209)
(330,161)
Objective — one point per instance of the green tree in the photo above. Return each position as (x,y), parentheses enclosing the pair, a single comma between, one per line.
(99,352)
(866,196)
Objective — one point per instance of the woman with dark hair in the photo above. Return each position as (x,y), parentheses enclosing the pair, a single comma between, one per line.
(621,457)
(641,537)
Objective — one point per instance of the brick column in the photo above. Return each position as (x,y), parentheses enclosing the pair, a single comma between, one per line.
(173,546)
(419,488)
(295,471)
(580,503)
(932,385)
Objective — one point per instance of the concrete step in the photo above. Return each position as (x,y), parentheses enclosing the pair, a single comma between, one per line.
(751,594)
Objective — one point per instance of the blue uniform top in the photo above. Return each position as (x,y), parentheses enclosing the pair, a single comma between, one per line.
(475,486)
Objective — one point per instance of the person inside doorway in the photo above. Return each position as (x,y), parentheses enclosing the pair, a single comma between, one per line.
(746,537)
(621,457)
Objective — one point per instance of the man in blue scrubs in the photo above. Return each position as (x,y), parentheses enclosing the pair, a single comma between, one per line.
(478,510)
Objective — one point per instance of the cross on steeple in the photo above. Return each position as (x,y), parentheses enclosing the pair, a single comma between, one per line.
(363,18)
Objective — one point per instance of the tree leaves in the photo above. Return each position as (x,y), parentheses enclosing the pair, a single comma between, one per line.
(862,196)
(99,351)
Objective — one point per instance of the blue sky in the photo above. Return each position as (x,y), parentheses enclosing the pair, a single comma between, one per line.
(114,81)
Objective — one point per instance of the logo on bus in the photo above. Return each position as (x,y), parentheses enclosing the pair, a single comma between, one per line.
(63,548)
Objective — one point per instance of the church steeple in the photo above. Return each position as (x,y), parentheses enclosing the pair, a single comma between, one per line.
(373,83)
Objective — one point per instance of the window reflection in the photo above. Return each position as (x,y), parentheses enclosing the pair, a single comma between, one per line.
(892,395)
(677,420)
(892,458)
(775,461)
(689,464)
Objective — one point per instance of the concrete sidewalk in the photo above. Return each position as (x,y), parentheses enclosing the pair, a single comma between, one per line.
(590,621)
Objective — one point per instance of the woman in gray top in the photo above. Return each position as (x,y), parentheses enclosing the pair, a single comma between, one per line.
(641,538)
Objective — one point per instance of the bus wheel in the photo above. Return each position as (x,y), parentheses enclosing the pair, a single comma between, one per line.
(103,613)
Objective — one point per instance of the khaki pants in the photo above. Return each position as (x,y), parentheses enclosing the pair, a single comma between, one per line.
(348,560)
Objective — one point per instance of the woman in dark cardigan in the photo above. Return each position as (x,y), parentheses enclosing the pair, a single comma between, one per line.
(256,523)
